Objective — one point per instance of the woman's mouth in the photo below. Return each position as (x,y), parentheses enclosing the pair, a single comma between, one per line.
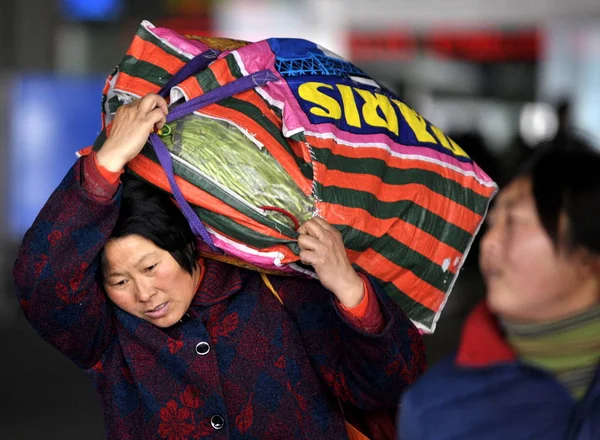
(157,312)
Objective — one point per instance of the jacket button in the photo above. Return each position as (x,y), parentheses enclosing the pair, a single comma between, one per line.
(202,348)
(217,422)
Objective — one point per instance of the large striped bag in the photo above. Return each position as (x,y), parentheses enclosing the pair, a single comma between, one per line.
(263,136)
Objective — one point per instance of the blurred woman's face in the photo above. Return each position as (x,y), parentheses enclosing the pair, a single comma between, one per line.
(527,277)
(146,281)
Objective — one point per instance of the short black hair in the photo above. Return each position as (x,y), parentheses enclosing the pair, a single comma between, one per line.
(565,177)
(150,212)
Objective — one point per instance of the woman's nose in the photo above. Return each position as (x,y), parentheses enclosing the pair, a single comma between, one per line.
(145,290)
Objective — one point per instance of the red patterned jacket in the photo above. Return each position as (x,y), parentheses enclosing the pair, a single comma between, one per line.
(239,365)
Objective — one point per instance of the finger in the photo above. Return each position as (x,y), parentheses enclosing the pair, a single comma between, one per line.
(306,242)
(162,104)
(160,124)
(311,228)
(303,228)
(310,258)
(149,103)
(323,224)
(329,231)
(155,117)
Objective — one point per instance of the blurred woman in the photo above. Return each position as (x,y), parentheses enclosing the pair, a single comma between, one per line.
(528,362)
(179,347)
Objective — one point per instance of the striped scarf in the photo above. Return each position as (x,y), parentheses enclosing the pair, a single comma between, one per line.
(568,348)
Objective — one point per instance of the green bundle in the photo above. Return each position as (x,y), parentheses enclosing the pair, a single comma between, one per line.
(224,155)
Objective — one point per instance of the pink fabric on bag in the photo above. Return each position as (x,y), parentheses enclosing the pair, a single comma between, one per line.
(260,261)
(193,47)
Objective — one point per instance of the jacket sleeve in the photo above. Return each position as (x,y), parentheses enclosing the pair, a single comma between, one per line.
(368,370)
(409,423)
(55,272)
(367,314)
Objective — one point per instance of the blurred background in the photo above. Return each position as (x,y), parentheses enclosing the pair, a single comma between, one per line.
(497,75)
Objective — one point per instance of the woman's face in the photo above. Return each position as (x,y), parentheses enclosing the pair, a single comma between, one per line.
(527,277)
(146,281)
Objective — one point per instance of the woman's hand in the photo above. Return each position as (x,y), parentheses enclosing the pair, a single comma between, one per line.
(130,129)
(321,247)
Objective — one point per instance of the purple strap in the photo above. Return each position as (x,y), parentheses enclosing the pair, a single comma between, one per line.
(193,66)
(257,79)
(164,156)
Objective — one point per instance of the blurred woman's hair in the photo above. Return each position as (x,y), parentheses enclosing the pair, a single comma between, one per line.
(150,213)
(565,178)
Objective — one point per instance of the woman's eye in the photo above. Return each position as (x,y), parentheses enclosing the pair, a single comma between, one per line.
(490,220)
(120,283)
(151,268)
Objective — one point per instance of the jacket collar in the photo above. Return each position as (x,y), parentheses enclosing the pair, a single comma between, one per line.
(482,342)
(218,282)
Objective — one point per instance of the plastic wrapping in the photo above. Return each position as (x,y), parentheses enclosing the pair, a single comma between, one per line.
(219,152)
